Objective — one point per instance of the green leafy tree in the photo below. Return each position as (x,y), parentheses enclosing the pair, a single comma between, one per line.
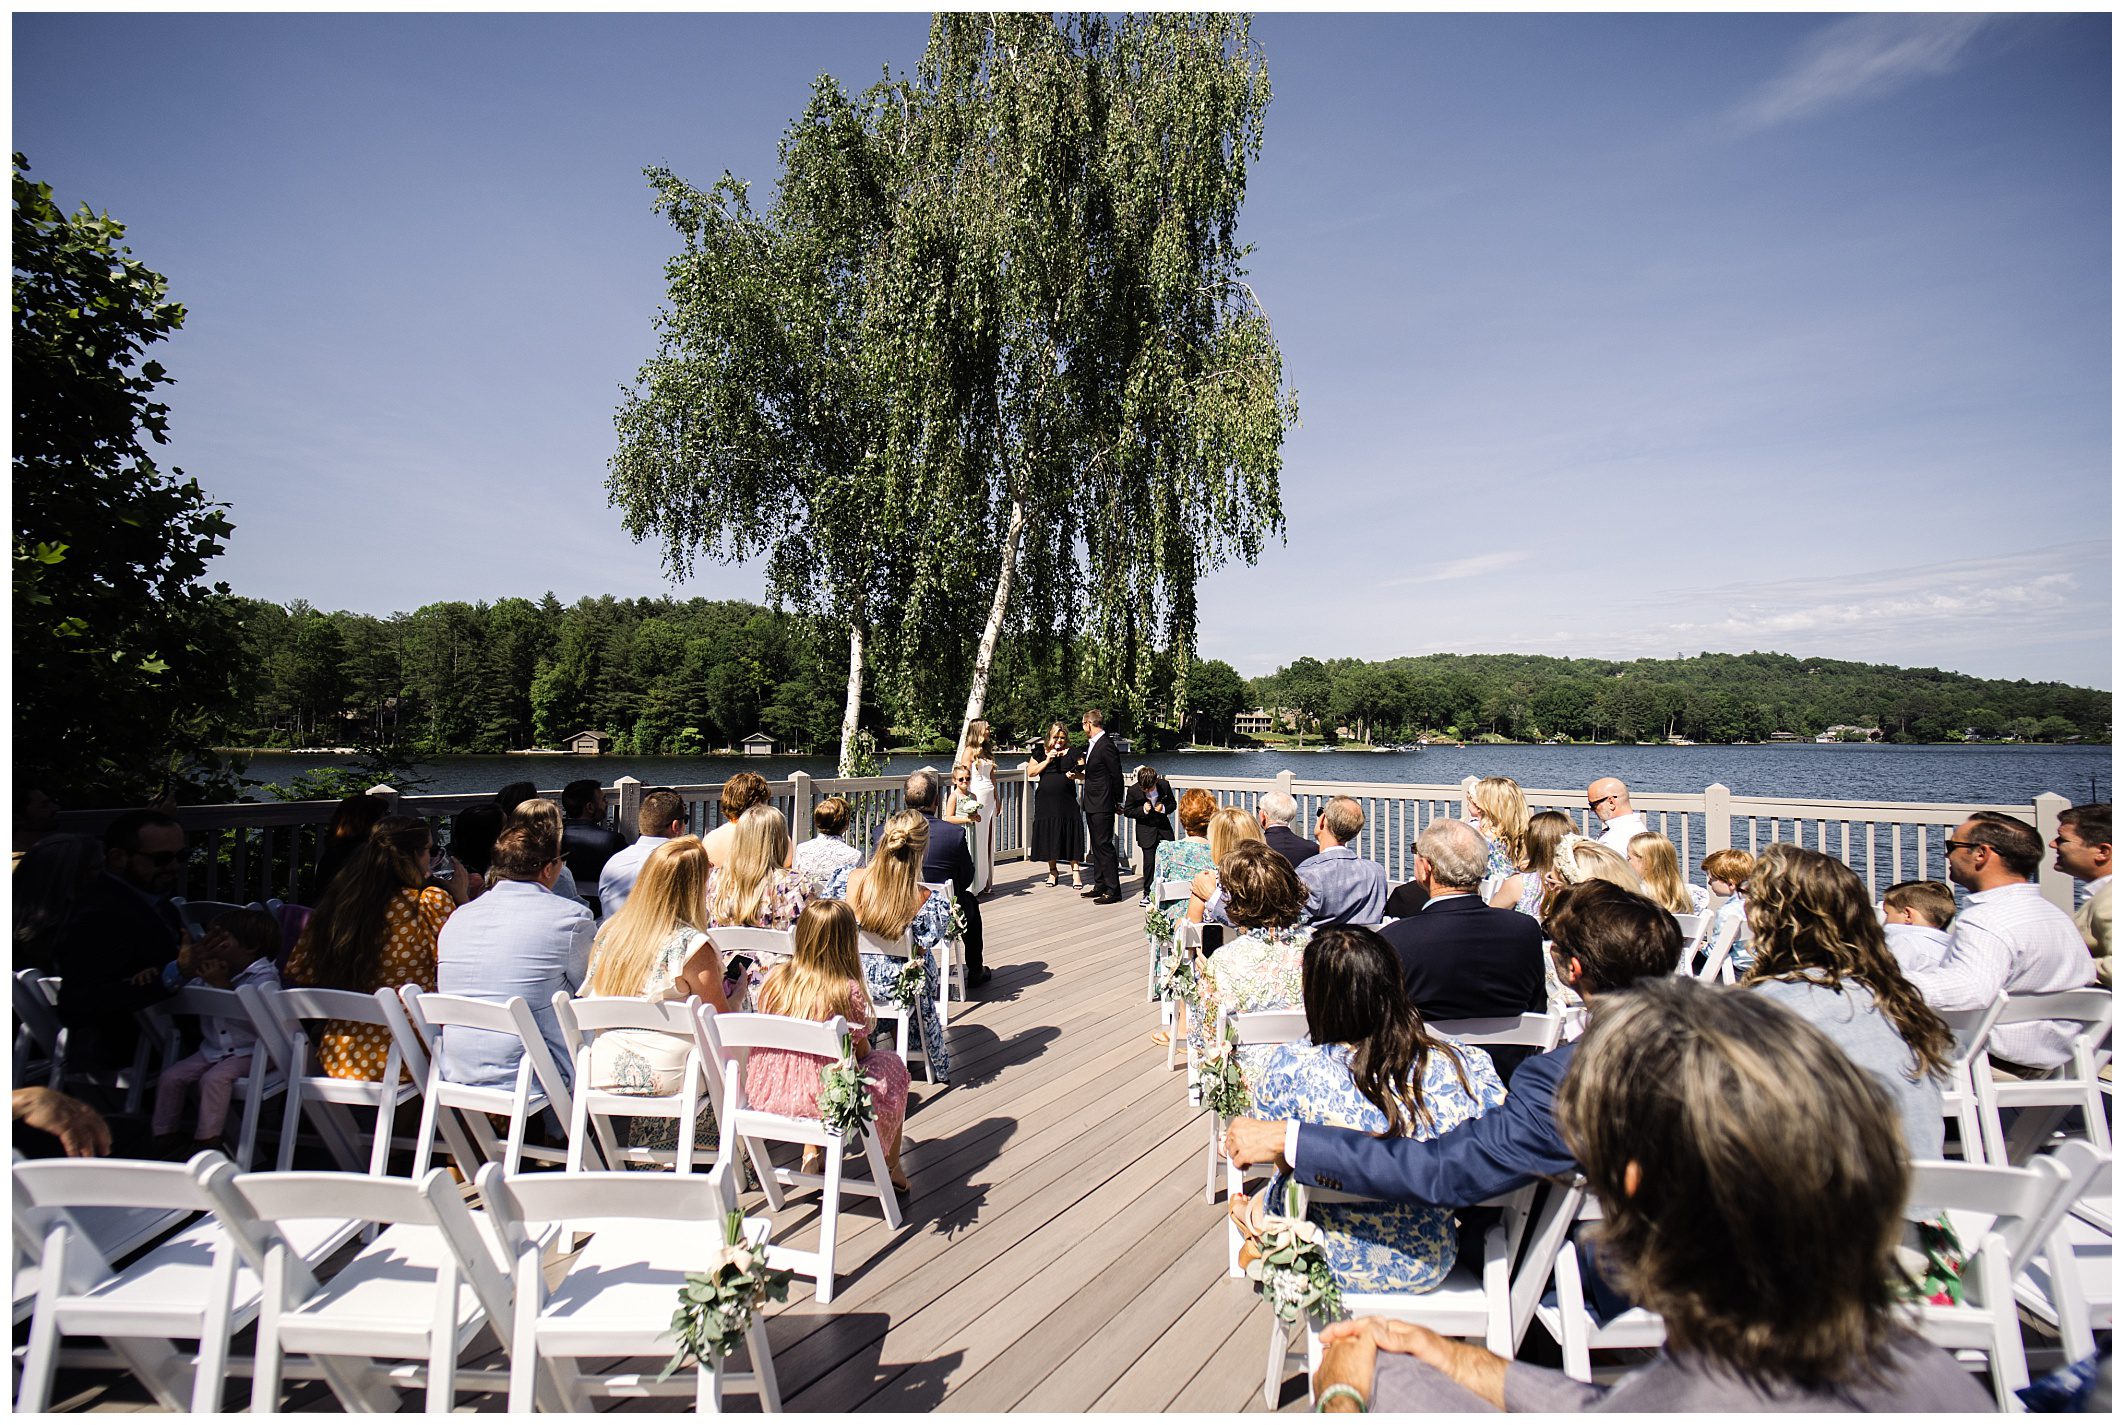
(125,658)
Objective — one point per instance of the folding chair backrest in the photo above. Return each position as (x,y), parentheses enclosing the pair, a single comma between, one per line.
(1719,953)
(37,1010)
(752,940)
(429,1015)
(1692,930)
(2020,1203)
(869,942)
(1534,1031)
(531,1198)
(737,1035)
(2091,1009)
(583,1017)
(200,914)
(1265,1026)
(1971,1027)
(1166,892)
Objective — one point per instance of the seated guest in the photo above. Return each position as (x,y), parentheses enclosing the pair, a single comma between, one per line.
(656,948)
(740,794)
(2082,844)
(1915,916)
(1190,856)
(754,887)
(1603,939)
(824,980)
(1608,799)
(889,899)
(547,813)
(1279,810)
(1342,887)
(949,857)
(36,816)
(472,833)
(1461,959)
(828,850)
(376,928)
(1719,1134)
(49,881)
(2007,937)
(1261,968)
(1525,889)
(1149,804)
(1579,860)
(239,949)
(1229,828)
(352,821)
(1658,867)
(586,842)
(1497,808)
(118,954)
(1820,953)
(1368,1063)
(662,818)
(1727,872)
(517,939)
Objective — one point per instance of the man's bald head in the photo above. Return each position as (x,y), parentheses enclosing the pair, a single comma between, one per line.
(1607,798)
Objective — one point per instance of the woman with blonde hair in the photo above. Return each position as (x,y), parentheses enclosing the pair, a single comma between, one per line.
(979,755)
(825,979)
(1525,889)
(1657,864)
(1497,808)
(1229,828)
(888,898)
(1580,859)
(1058,822)
(754,887)
(656,947)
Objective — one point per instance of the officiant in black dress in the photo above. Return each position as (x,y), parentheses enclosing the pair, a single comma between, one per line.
(1058,826)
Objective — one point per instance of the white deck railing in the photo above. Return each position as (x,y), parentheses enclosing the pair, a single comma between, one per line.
(248,850)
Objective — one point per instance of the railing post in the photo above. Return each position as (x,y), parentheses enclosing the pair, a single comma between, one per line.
(1283,782)
(388,792)
(1718,818)
(2056,884)
(800,795)
(630,807)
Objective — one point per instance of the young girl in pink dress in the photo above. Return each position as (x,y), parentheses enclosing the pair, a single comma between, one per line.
(823,980)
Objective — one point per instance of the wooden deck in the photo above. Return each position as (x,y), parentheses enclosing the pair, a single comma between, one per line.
(1058,1254)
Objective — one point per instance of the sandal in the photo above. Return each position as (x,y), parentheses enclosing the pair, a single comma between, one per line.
(1161,1037)
(1053,879)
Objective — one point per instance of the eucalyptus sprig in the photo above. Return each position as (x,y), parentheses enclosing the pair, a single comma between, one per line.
(717,1306)
(844,1099)
(1158,925)
(1292,1272)
(908,985)
(1223,1084)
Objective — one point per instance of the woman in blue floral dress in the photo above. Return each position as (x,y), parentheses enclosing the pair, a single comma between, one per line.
(888,897)
(1369,1063)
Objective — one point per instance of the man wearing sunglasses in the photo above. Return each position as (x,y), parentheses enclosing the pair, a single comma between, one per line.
(1609,800)
(118,953)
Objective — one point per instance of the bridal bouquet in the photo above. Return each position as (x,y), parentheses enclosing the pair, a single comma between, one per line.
(844,1099)
(1287,1263)
(717,1306)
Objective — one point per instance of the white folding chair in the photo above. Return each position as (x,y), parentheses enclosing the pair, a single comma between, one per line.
(1718,955)
(114,1232)
(1163,895)
(2043,1103)
(582,1022)
(198,915)
(735,1037)
(616,1295)
(1569,1321)
(202,1284)
(1471,1303)
(951,960)
(1692,930)
(1540,1032)
(909,1037)
(290,1022)
(2072,1285)
(38,1053)
(539,1086)
(1958,1097)
(418,1292)
(261,1081)
(2001,1215)
(1187,940)
(1260,1029)
(767,948)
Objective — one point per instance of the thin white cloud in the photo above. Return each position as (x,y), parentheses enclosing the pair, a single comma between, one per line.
(1467,568)
(1858,59)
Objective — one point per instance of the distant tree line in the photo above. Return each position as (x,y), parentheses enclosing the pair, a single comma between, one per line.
(1713,697)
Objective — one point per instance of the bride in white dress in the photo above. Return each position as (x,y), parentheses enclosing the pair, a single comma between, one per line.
(979,757)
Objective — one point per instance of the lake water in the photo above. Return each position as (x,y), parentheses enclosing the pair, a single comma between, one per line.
(1844,771)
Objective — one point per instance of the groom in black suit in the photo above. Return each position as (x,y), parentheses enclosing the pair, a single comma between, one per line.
(1102,798)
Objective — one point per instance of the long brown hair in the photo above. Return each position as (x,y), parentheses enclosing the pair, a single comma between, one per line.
(819,979)
(342,946)
(1812,920)
(668,894)
(1354,995)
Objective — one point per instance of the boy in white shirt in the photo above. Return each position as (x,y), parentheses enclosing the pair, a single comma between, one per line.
(1915,916)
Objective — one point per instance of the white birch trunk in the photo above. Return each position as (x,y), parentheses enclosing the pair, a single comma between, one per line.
(978,695)
(851,713)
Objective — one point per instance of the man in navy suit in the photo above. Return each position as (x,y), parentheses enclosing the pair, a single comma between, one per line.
(1462,959)
(119,948)
(949,858)
(1102,798)
(1278,811)
(1604,938)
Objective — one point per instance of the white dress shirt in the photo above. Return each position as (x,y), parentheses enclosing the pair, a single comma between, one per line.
(616,882)
(1916,947)
(2010,938)
(1616,834)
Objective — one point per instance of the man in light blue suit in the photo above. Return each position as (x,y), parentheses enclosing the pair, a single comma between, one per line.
(517,938)
(1604,938)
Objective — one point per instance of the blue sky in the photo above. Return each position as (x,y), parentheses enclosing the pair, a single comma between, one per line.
(1612,335)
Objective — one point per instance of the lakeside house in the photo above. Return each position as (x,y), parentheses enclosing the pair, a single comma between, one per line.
(1846,732)
(758,745)
(589,744)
